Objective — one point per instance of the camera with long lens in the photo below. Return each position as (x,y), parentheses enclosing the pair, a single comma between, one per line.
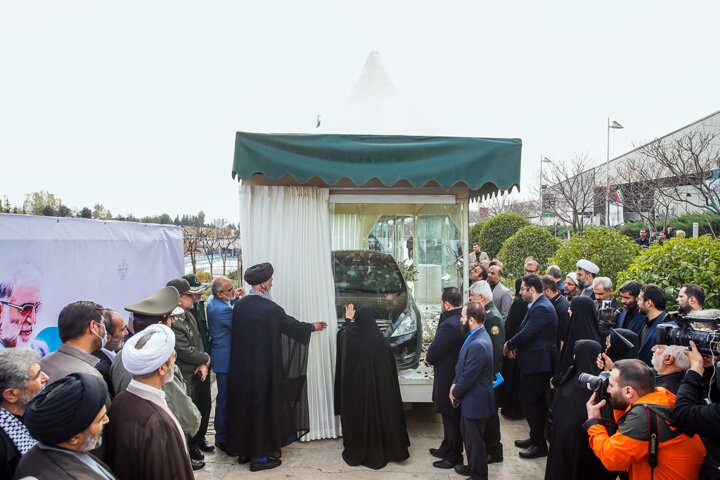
(701,327)
(606,318)
(596,383)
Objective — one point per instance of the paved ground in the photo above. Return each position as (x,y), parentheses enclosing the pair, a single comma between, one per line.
(322,459)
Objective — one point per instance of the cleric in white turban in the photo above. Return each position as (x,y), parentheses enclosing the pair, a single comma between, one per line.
(586,273)
(142,427)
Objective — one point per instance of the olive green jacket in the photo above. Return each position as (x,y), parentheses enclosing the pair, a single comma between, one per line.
(496,329)
(189,348)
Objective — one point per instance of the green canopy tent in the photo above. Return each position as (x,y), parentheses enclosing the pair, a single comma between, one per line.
(304,195)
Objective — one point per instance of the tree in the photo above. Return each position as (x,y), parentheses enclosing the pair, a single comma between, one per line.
(534,241)
(191,243)
(646,189)
(692,160)
(49,211)
(36,202)
(64,211)
(229,239)
(570,194)
(210,239)
(498,229)
(85,213)
(100,212)
(504,203)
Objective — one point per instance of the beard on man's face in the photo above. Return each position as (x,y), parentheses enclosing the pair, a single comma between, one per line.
(465,327)
(618,403)
(91,442)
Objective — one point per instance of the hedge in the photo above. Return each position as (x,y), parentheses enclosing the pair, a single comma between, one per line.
(498,229)
(532,241)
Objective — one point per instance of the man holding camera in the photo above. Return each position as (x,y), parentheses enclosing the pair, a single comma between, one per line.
(693,413)
(646,444)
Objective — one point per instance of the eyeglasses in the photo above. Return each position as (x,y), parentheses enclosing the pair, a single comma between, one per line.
(26,309)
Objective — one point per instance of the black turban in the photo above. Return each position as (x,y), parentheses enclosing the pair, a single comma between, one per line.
(258,274)
(65,408)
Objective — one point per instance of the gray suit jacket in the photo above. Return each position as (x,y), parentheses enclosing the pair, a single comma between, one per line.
(502,299)
(67,360)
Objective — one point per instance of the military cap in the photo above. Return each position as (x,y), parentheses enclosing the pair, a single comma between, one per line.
(159,304)
(195,285)
(588,266)
(181,284)
(258,274)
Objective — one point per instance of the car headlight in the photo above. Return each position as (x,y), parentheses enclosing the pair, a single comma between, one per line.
(407,325)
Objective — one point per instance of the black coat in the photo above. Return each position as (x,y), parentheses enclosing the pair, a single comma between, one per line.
(442,355)
(367,395)
(508,391)
(583,326)
(570,456)
(693,415)
(267,391)
(562,305)
(536,341)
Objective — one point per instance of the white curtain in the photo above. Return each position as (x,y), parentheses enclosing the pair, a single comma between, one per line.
(290,228)
(350,230)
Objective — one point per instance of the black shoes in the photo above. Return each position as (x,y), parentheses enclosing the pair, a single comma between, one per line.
(205,446)
(271,463)
(523,443)
(443,464)
(494,458)
(196,464)
(223,446)
(196,454)
(435,452)
(534,451)
(463,470)
(242,460)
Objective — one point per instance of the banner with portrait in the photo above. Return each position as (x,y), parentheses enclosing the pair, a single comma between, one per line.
(49,262)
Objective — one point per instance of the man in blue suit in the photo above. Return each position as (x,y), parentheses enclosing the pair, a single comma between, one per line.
(631,318)
(473,387)
(219,316)
(651,303)
(535,347)
(443,355)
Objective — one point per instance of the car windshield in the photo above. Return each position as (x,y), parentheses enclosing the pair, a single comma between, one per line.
(366,272)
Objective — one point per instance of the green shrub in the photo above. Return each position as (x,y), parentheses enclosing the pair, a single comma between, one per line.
(475,230)
(560,231)
(532,241)
(605,247)
(679,261)
(498,229)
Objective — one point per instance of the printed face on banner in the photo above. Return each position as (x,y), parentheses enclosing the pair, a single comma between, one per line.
(20,302)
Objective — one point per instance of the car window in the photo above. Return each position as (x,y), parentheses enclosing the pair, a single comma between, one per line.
(366,272)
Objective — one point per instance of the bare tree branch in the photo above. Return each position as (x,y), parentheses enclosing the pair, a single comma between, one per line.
(570,190)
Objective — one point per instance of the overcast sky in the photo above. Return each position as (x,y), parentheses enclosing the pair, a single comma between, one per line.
(135,104)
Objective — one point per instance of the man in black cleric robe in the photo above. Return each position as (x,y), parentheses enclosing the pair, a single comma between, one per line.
(367,394)
(267,393)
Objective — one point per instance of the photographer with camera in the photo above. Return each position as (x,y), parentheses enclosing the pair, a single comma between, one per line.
(694,413)
(645,444)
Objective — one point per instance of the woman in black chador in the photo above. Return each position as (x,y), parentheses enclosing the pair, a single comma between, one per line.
(570,456)
(367,394)
(583,326)
(509,390)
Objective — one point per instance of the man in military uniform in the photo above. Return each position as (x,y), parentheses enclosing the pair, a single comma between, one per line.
(194,364)
(481,292)
(159,308)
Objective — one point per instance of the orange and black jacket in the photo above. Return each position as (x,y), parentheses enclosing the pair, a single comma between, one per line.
(679,456)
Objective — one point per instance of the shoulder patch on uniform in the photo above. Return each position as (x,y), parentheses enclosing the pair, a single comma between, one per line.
(495,330)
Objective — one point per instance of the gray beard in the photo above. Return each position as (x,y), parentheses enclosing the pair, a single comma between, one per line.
(91,442)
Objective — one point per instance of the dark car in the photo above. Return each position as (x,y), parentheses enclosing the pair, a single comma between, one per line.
(373,279)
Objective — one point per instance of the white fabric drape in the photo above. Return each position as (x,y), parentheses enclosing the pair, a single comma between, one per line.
(290,228)
(350,230)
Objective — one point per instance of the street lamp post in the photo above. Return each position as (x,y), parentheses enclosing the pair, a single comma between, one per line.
(615,125)
(542,160)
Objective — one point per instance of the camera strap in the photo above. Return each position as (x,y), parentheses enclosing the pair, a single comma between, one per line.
(653,440)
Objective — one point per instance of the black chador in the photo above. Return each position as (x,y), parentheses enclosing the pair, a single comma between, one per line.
(367,395)
(509,391)
(570,456)
(583,326)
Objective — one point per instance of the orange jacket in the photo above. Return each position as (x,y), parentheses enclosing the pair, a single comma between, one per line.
(679,456)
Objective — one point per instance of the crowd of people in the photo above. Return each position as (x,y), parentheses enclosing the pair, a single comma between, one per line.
(653,417)
(133,401)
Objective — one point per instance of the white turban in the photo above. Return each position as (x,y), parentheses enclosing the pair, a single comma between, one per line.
(153,355)
(588,266)
(573,277)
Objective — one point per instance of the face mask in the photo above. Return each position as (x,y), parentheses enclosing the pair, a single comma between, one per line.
(103,339)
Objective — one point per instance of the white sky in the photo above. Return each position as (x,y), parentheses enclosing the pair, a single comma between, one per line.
(135,104)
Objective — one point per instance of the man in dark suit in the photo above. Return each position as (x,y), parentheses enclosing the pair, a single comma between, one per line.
(472,387)
(562,307)
(651,303)
(442,355)
(631,318)
(535,347)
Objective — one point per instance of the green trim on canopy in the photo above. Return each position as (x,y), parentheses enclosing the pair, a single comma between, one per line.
(476,162)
